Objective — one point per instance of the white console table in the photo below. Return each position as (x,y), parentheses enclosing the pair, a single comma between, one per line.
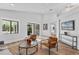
(69,40)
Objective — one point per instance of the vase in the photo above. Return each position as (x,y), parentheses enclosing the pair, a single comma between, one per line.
(29,41)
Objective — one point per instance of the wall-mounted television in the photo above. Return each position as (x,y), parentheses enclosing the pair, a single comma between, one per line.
(68,25)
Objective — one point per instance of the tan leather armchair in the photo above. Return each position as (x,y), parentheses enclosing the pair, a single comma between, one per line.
(33,37)
(52,42)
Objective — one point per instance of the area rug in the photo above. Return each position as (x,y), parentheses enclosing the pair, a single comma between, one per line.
(5,52)
(41,51)
(63,49)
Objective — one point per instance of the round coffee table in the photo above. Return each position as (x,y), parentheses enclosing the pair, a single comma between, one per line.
(33,48)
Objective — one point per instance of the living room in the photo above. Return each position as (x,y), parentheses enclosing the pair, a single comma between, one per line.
(52,21)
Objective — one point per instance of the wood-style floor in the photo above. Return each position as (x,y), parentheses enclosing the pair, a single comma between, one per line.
(63,50)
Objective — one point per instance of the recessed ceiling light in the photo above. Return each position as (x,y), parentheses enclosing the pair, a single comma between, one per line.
(12,4)
(50,9)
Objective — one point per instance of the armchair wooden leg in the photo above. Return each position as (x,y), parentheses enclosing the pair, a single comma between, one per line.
(49,50)
(40,45)
(19,51)
(37,47)
(57,46)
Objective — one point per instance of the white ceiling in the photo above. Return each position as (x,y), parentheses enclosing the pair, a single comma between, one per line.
(34,7)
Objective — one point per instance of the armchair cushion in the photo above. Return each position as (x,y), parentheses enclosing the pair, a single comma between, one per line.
(52,41)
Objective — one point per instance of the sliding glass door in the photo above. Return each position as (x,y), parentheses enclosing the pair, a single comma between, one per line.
(33,28)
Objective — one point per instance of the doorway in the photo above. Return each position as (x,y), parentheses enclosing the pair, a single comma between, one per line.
(33,28)
(53,28)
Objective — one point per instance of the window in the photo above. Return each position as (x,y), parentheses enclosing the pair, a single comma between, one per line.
(6,26)
(9,26)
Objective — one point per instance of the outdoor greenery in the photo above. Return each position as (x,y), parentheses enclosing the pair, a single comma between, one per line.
(29,29)
(10,26)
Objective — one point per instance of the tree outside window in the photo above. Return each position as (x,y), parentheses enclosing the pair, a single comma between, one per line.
(10,26)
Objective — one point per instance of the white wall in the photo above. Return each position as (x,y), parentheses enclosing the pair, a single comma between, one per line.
(72,15)
(48,19)
(23,18)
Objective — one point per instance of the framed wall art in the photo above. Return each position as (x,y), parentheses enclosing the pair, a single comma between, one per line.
(45,26)
(68,25)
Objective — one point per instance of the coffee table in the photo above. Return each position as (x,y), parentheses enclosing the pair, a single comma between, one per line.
(24,45)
